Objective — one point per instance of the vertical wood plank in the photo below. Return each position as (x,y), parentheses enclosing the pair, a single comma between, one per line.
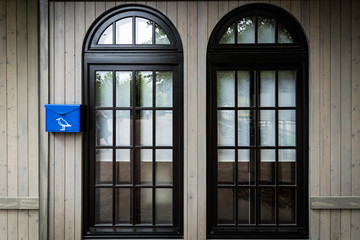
(223,8)
(305,18)
(213,16)
(161,6)
(151,4)
(295,7)
(90,14)
(99,8)
(285,4)
(171,9)
(233,5)
(109,4)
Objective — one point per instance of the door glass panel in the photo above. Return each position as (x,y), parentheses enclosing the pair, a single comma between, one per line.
(104,89)
(164,167)
(124,161)
(104,127)
(266,30)
(267,88)
(246,89)
(267,127)
(107,36)
(124,89)
(143,166)
(284,35)
(246,166)
(267,167)
(144,198)
(226,128)
(164,89)
(124,31)
(144,31)
(246,128)
(225,206)
(164,130)
(164,207)
(229,36)
(287,206)
(123,206)
(160,36)
(287,127)
(123,128)
(226,88)
(267,206)
(246,206)
(287,165)
(103,205)
(104,166)
(144,128)
(226,162)
(144,89)
(246,30)
(287,83)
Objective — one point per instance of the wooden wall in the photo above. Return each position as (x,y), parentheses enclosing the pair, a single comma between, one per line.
(332,28)
(19,120)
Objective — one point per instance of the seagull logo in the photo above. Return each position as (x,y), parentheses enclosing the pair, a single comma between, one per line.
(63,123)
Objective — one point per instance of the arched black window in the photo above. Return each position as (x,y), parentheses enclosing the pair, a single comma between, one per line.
(133,145)
(257,129)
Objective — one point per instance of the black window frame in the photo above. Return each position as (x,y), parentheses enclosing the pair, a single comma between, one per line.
(153,57)
(269,56)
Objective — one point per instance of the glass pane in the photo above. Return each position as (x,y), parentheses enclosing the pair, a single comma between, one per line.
(160,36)
(104,89)
(164,206)
(267,206)
(104,124)
(229,36)
(144,199)
(267,166)
(164,128)
(104,166)
(287,206)
(124,31)
(107,36)
(226,163)
(144,89)
(123,128)
(246,89)
(103,205)
(123,206)
(164,89)
(124,89)
(284,35)
(226,128)
(143,166)
(225,206)
(246,166)
(123,166)
(226,88)
(267,127)
(246,206)
(287,92)
(287,165)
(246,128)
(266,30)
(267,88)
(287,127)
(144,31)
(144,128)
(164,167)
(246,30)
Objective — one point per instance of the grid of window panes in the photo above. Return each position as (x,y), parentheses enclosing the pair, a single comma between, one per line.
(134,148)
(256,155)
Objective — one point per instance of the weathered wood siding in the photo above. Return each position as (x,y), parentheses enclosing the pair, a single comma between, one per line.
(19,119)
(332,28)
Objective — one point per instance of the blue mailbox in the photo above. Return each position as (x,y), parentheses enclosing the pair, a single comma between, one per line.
(64,117)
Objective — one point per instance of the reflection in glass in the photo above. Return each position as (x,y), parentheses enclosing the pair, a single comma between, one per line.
(267,206)
(164,207)
(164,128)
(226,88)
(267,166)
(246,128)
(287,165)
(287,92)
(103,205)
(143,165)
(246,166)
(124,31)
(267,127)
(246,30)
(123,213)
(164,89)
(246,206)
(160,36)
(123,166)
(225,209)
(267,88)
(226,128)
(164,167)
(104,166)
(144,89)
(287,127)
(266,30)
(284,35)
(144,198)
(104,124)
(144,128)
(226,162)
(229,36)
(123,128)
(143,31)
(286,207)
(104,89)
(123,89)
(246,93)
(107,36)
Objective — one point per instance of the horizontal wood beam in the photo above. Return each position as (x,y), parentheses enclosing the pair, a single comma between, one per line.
(335,202)
(9,203)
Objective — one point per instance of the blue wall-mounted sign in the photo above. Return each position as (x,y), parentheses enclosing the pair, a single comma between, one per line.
(64,117)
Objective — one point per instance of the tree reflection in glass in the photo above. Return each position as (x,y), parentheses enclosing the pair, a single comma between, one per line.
(246,30)
(266,30)
(229,36)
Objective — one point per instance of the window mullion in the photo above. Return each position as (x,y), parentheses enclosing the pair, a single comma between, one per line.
(154,147)
(236,150)
(277,146)
(114,149)
(132,200)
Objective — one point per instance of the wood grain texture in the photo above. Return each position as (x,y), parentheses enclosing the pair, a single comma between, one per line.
(19,203)
(331,202)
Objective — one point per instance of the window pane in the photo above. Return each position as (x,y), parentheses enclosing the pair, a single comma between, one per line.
(287,165)
(164,167)
(287,206)
(124,160)
(124,31)
(246,128)
(284,35)
(246,206)
(104,89)
(160,36)
(103,205)
(266,30)
(229,36)
(246,89)
(123,206)
(226,88)
(287,127)
(226,128)
(104,123)
(246,30)
(164,206)
(246,166)
(267,88)
(107,36)
(164,89)
(124,89)
(287,91)
(143,166)
(144,89)
(267,206)
(267,127)
(144,128)
(144,198)
(226,162)
(104,166)
(144,31)
(164,128)
(267,166)
(225,206)
(123,128)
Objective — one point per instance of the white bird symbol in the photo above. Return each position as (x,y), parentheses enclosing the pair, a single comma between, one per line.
(63,123)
